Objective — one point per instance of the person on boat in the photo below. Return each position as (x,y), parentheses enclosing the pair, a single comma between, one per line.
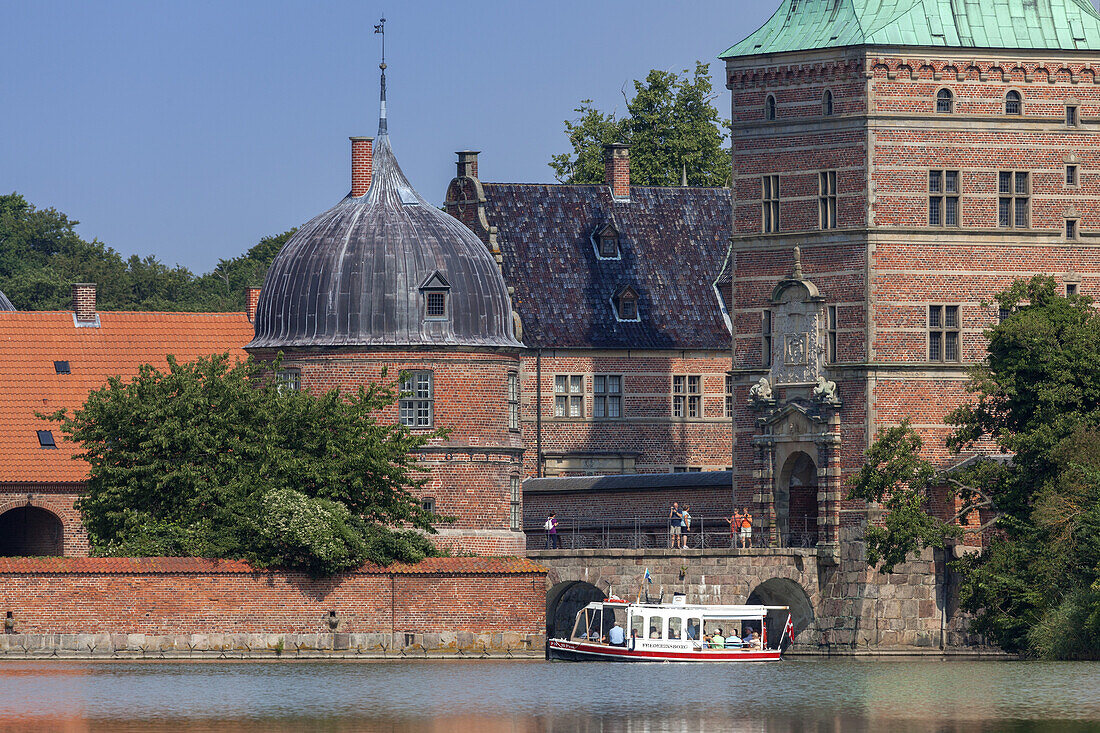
(616,635)
(692,631)
(675,525)
(551,527)
(746,527)
(718,641)
(733,641)
(755,640)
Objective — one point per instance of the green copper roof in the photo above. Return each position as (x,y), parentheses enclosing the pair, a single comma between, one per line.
(800,25)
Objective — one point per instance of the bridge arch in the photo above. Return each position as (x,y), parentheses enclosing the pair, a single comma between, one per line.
(30,531)
(783,592)
(562,603)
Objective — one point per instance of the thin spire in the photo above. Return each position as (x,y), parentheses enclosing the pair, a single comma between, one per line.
(381,28)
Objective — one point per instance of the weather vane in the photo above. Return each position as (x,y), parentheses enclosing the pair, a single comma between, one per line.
(381,29)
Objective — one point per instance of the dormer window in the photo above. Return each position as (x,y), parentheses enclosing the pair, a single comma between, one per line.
(437,301)
(626,304)
(606,241)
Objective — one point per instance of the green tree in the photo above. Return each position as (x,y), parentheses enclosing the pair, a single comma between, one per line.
(671,125)
(41,256)
(214,460)
(1036,588)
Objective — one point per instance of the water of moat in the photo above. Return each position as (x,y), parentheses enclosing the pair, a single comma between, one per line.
(488,696)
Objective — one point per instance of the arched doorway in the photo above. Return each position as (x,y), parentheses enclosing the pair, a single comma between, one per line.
(783,592)
(30,531)
(796,501)
(562,603)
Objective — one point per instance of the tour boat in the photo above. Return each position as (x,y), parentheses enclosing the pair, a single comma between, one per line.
(669,632)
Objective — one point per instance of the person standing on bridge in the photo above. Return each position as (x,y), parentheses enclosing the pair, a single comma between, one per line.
(675,526)
(746,527)
(551,527)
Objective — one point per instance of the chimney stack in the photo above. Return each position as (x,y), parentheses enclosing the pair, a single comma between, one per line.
(616,158)
(467,163)
(84,302)
(252,299)
(362,164)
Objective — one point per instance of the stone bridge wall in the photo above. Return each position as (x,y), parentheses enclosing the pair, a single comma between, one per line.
(853,606)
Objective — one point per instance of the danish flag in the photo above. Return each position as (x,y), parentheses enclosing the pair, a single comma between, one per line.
(789,628)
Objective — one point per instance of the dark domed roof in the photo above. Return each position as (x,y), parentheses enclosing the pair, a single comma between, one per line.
(5,304)
(358,274)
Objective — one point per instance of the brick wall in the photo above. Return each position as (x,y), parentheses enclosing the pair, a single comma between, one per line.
(58,500)
(194,596)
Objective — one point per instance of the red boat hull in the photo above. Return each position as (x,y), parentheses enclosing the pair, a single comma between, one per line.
(582,651)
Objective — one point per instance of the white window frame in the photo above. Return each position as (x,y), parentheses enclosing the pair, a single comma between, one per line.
(569,396)
(416,406)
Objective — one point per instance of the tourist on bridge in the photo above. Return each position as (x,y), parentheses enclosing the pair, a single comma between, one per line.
(676,525)
(551,527)
(746,527)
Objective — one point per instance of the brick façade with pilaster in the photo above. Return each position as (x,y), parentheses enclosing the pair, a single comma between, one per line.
(884,265)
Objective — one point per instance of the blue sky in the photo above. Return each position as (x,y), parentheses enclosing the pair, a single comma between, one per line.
(189,130)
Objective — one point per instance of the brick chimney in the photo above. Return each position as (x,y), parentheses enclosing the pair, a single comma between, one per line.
(252,299)
(467,163)
(616,160)
(84,302)
(362,164)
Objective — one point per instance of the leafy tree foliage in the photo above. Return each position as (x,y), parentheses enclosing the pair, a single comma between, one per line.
(671,125)
(210,459)
(41,256)
(1036,588)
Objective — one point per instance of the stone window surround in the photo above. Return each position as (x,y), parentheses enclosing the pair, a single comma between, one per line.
(770,214)
(416,410)
(943,195)
(513,401)
(687,396)
(944,330)
(568,400)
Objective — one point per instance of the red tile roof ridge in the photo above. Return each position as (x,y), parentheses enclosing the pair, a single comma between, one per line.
(183,565)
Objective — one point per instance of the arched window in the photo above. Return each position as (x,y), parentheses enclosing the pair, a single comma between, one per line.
(1013,103)
(827,103)
(769,108)
(945,101)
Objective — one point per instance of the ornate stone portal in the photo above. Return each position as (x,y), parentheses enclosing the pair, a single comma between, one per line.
(798,439)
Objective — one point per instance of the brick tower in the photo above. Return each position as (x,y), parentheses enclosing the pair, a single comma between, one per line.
(385,280)
(894,167)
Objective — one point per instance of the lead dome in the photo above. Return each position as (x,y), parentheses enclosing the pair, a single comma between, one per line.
(359,275)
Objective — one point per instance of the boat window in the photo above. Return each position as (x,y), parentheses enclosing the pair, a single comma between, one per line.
(581,626)
(675,625)
(693,626)
(637,626)
(655,630)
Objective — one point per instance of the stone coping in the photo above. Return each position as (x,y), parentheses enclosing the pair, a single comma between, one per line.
(808,552)
(203,566)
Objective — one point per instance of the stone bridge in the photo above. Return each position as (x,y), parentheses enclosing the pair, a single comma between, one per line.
(837,603)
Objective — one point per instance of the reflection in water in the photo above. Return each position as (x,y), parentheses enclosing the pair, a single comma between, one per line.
(537,697)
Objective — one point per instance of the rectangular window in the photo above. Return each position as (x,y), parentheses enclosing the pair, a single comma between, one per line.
(1071,115)
(45,439)
(417,395)
(766,338)
(830,335)
(1071,288)
(729,395)
(687,469)
(943,198)
(607,397)
(826,202)
(516,509)
(428,504)
(1071,229)
(1071,175)
(436,304)
(687,396)
(569,395)
(513,401)
(1014,188)
(288,380)
(770,205)
(943,333)
(62,367)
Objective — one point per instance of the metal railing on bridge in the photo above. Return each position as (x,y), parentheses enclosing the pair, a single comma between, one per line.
(637,533)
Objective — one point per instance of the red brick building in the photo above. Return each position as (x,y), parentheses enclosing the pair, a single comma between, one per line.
(51,361)
(627,354)
(921,157)
(385,286)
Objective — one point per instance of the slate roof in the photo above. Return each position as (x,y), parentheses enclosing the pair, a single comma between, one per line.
(1004,24)
(673,242)
(5,304)
(172,565)
(352,276)
(629,482)
(30,343)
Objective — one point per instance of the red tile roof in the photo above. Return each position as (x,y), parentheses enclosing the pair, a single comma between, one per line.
(169,565)
(30,343)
